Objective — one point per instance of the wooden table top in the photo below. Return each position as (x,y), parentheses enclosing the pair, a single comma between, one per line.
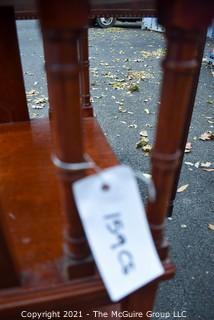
(27,8)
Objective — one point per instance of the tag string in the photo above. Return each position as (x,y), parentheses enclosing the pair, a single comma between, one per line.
(89,163)
(147,179)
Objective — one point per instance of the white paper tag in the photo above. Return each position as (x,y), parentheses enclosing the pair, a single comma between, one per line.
(117,230)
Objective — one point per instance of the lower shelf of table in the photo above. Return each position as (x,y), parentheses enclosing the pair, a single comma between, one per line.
(29,193)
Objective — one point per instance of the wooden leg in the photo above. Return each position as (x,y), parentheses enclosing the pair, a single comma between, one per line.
(13,105)
(180,74)
(85,80)
(62,29)
(188,121)
(141,301)
(181,67)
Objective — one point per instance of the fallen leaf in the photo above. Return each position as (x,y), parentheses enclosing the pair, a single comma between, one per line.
(197,164)
(155,53)
(189,163)
(40,100)
(133,87)
(205,164)
(118,85)
(208,135)
(98,97)
(147,148)
(182,188)
(209,169)
(148,125)
(36,106)
(184,226)
(210,101)
(32,92)
(188,147)
(139,75)
(142,142)
(122,85)
(122,109)
(146,111)
(144,133)
(211,226)
(147,175)
(133,125)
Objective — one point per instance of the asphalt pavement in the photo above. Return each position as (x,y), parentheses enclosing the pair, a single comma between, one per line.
(125,79)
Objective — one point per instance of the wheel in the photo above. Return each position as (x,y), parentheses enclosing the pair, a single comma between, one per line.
(105,22)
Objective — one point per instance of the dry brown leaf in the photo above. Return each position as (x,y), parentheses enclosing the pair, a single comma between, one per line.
(197,164)
(132,125)
(188,147)
(208,169)
(139,75)
(211,226)
(122,109)
(208,135)
(133,87)
(147,148)
(205,164)
(209,101)
(41,100)
(182,188)
(189,163)
(38,106)
(142,142)
(32,92)
(148,125)
(154,54)
(147,175)
(144,133)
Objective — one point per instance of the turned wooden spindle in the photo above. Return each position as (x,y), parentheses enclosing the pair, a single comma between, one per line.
(181,67)
(13,104)
(62,28)
(85,77)
(201,44)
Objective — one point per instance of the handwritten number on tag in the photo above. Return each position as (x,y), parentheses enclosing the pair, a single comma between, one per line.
(115,226)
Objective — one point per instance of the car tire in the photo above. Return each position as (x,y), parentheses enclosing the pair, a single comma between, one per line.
(105,22)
